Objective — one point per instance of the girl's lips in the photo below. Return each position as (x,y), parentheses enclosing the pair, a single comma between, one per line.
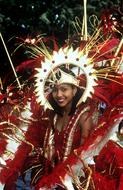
(60,100)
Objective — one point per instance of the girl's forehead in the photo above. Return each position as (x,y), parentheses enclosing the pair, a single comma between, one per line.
(63,85)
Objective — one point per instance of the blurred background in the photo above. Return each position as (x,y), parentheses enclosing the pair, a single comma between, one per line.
(24,19)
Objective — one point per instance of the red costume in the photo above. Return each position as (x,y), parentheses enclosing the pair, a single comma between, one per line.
(29,139)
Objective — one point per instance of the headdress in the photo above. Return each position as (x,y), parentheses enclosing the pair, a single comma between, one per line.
(82,63)
(75,62)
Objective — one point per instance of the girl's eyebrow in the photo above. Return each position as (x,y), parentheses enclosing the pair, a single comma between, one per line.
(63,87)
(66,85)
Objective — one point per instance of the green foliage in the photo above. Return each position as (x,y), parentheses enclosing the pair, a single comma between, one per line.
(25,17)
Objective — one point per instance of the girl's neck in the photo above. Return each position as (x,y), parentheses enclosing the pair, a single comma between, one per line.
(67,108)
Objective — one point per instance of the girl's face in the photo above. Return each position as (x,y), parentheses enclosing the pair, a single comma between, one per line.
(63,94)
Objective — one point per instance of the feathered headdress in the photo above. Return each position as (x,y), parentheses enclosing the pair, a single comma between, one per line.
(86,64)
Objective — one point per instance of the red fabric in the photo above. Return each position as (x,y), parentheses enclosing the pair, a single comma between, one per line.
(59,136)
(103,182)
(108,172)
(110,155)
(121,182)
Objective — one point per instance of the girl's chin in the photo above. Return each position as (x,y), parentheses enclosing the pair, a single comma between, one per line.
(61,104)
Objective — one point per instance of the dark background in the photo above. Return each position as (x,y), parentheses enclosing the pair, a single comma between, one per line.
(20,19)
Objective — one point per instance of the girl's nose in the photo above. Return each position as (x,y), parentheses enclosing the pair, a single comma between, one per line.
(59,93)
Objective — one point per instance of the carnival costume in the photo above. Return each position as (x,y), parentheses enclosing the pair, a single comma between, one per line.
(28,139)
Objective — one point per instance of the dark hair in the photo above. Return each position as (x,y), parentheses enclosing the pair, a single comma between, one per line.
(59,110)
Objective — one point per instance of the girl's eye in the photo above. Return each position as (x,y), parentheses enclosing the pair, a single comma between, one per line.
(63,89)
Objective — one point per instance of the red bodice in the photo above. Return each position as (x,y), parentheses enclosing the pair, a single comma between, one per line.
(59,139)
(59,145)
